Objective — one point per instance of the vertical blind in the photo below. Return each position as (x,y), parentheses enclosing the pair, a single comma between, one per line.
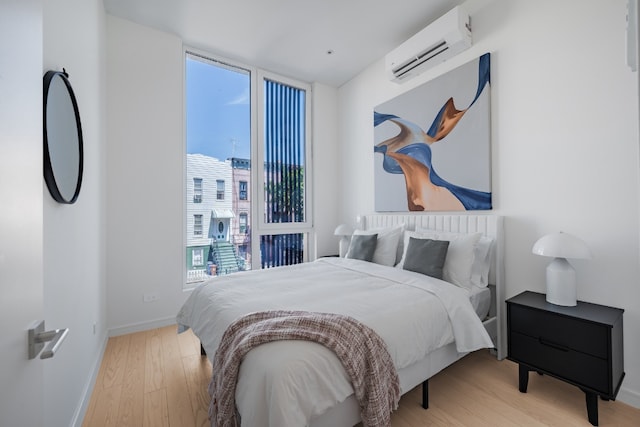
(281,249)
(284,151)
(284,171)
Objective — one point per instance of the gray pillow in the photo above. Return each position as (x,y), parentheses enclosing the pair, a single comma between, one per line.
(362,246)
(426,256)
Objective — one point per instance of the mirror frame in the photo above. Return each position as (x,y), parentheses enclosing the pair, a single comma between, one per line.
(49,175)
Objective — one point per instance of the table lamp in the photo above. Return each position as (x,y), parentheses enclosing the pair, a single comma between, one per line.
(345,232)
(561,276)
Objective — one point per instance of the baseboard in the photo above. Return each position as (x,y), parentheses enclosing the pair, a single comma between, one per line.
(81,410)
(630,397)
(142,326)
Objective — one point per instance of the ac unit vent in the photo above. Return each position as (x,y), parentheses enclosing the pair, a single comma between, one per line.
(445,37)
(420,59)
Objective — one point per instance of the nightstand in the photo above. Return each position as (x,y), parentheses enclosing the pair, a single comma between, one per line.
(581,345)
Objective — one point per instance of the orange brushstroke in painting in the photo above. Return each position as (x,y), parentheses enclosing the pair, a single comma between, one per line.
(422,194)
(450,118)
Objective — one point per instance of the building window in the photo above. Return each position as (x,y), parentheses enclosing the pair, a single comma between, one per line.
(197,190)
(197,257)
(197,225)
(220,189)
(242,224)
(242,190)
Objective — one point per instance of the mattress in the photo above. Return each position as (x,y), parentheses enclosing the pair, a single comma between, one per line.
(347,411)
(384,298)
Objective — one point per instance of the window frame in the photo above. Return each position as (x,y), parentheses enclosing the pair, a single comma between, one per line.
(193,257)
(195,223)
(197,190)
(255,192)
(242,215)
(220,193)
(245,191)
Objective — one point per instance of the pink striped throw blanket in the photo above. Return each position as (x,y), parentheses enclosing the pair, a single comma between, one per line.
(360,350)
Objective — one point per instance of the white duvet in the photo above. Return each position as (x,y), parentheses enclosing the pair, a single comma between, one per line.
(286,383)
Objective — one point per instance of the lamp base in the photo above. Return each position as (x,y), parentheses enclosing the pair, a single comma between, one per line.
(344,246)
(561,283)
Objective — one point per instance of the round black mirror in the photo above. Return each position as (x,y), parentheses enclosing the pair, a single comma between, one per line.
(63,149)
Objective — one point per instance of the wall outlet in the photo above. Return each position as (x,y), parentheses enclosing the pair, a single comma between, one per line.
(150,297)
(94,328)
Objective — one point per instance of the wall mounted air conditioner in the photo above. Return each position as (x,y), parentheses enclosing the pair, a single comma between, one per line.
(445,37)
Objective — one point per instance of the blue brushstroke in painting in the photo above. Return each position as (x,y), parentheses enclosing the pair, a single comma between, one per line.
(484,77)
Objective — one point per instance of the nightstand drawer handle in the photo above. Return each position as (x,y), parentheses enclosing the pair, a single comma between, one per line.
(553,345)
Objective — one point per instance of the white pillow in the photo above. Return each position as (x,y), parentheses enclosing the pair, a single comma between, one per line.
(386,252)
(482,256)
(460,255)
(482,262)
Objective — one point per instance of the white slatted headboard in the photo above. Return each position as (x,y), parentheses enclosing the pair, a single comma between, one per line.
(488,225)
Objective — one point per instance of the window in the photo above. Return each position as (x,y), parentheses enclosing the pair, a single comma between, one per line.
(197,190)
(197,225)
(251,129)
(242,190)
(197,257)
(219,131)
(284,153)
(242,223)
(220,189)
(286,188)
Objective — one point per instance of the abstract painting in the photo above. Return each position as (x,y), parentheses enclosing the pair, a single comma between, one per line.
(433,144)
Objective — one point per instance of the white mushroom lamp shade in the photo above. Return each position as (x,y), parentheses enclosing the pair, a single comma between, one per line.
(561,276)
(345,232)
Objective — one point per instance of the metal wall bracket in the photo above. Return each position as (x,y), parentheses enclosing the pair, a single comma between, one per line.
(37,338)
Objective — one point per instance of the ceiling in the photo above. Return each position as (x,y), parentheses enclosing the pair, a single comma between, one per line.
(290,37)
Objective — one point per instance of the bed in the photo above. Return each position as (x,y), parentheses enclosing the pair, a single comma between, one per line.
(289,383)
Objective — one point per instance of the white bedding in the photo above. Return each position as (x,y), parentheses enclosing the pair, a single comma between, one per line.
(480,300)
(286,383)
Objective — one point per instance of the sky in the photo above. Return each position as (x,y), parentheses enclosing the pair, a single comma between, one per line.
(218,111)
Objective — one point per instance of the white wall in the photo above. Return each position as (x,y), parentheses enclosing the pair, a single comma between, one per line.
(564,144)
(145,175)
(326,180)
(145,248)
(74,275)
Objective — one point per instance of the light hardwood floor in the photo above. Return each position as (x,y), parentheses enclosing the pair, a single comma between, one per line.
(158,378)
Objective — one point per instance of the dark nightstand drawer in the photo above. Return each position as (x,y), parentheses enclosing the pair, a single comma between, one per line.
(577,367)
(576,334)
